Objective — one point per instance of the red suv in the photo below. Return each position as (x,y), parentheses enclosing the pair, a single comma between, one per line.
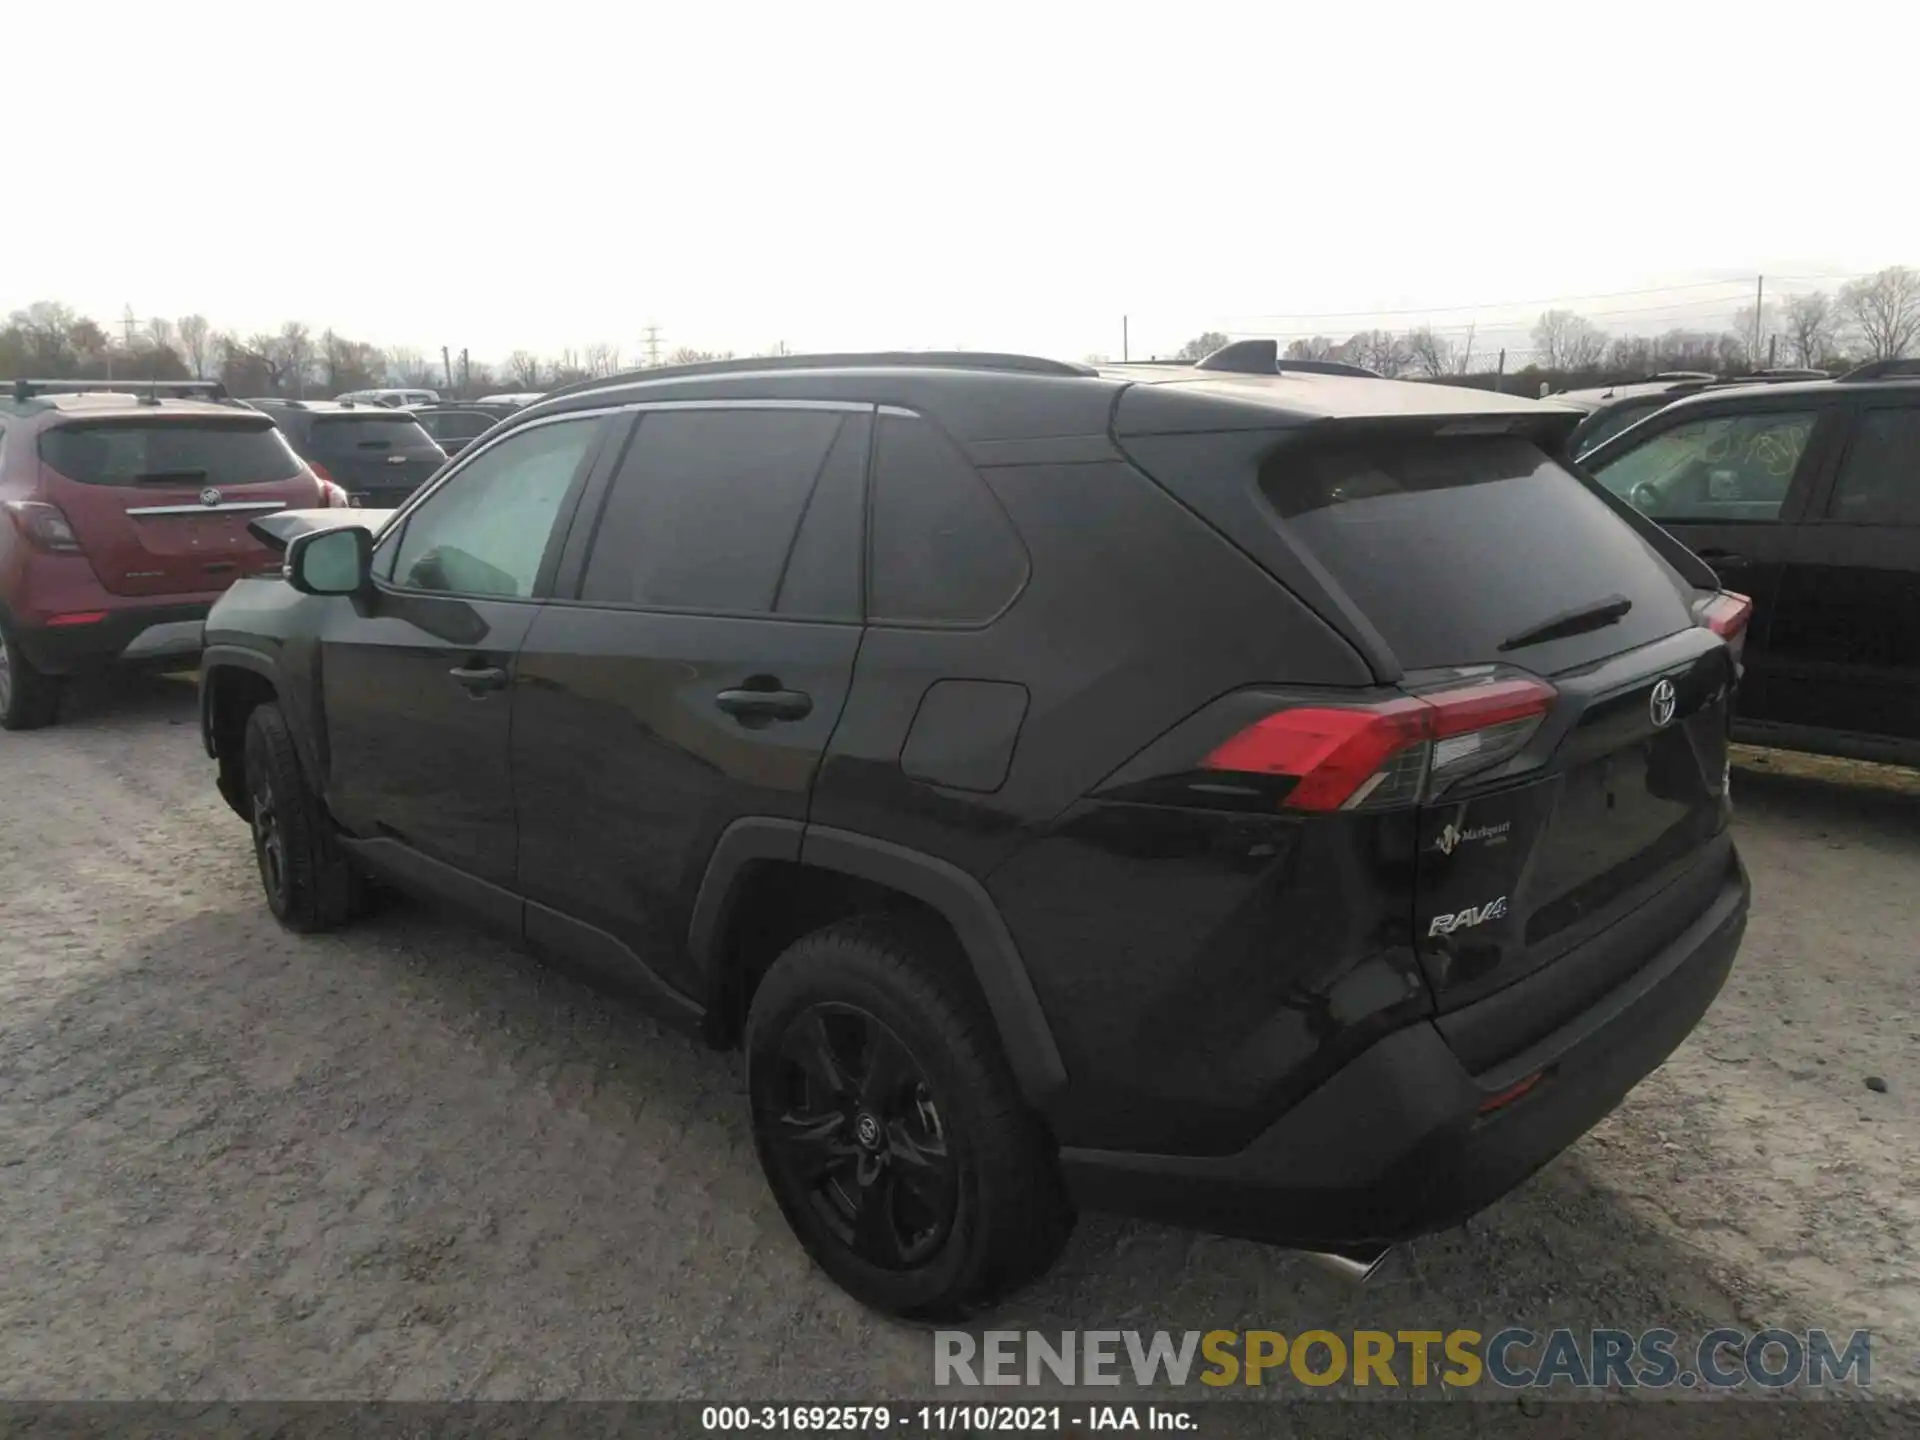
(126,516)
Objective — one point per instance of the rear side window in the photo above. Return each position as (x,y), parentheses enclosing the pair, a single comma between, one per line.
(734,512)
(1454,548)
(1715,468)
(1603,428)
(943,551)
(368,434)
(197,452)
(1880,479)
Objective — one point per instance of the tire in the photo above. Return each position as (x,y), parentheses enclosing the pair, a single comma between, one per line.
(29,699)
(310,886)
(890,1127)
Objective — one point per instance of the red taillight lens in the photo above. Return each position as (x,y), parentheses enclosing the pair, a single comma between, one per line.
(43,526)
(78,617)
(1398,752)
(1726,614)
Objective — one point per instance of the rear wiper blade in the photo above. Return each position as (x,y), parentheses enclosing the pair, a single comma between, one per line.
(1573,622)
(170,475)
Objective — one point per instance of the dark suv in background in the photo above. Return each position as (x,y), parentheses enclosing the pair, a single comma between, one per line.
(1289,804)
(125,514)
(379,456)
(456,424)
(1807,498)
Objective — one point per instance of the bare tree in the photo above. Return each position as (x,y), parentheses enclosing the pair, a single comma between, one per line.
(687,355)
(1431,353)
(1755,338)
(1380,351)
(409,367)
(297,355)
(1319,347)
(197,345)
(1563,340)
(1201,346)
(525,368)
(602,359)
(1884,310)
(1812,328)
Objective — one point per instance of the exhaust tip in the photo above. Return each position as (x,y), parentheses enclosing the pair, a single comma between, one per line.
(1357,1265)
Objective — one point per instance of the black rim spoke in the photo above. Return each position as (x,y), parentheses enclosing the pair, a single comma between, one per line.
(889,1070)
(814,1145)
(812,1048)
(875,1230)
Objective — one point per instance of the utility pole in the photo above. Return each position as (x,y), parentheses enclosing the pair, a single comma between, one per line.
(1500,370)
(1759,301)
(653,345)
(1123,340)
(466,371)
(1466,360)
(446,364)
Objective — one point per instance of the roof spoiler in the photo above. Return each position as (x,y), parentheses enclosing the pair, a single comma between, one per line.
(24,389)
(1263,357)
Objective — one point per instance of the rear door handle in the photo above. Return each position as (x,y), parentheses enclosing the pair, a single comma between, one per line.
(1725,559)
(767,704)
(479,679)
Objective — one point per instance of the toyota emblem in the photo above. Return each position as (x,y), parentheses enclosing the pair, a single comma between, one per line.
(1661,704)
(209,496)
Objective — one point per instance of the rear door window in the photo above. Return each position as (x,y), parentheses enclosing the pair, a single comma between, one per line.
(1454,549)
(734,511)
(1880,478)
(1715,468)
(197,452)
(943,551)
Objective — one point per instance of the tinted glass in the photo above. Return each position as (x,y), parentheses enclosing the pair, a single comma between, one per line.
(368,434)
(942,548)
(1880,478)
(485,531)
(1719,467)
(455,424)
(187,453)
(704,510)
(1606,426)
(1452,547)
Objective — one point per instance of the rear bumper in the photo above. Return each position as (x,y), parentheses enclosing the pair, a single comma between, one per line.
(1395,1144)
(155,635)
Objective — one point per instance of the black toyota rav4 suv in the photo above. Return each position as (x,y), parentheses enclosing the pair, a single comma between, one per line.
(1292,805)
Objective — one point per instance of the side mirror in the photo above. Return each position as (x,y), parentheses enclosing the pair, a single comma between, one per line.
(331,562)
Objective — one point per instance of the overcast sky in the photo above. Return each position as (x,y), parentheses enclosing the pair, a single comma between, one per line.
(1013,177)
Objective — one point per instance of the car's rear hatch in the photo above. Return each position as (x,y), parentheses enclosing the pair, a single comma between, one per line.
(1572,752)
(160,501)
(378,456)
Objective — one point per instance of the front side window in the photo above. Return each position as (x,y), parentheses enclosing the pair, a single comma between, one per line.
(484,531)
(1880,479)
(1715,468)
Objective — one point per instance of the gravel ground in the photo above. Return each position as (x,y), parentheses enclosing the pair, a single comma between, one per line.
(409,1162)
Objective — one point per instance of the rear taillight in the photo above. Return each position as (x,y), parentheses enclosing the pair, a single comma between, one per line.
(43,526)
(1726,614)
(1397,752)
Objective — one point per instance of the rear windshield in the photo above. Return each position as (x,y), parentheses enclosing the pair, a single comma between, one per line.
(456,424)
(352,434)
(1455,549)
(199,452)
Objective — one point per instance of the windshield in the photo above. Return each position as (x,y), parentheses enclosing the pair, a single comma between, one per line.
(197,452)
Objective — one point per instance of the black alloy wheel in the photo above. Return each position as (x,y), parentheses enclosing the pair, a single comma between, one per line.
(858,1133)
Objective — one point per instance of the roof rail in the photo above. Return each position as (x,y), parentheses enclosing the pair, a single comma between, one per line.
(1883,370)
(879,359)
(1262,357)
(25,389)
(258,400)
(1790,372)
(1702,375)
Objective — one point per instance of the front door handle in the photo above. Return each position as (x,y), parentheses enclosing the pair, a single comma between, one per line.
(1725,559)
(479,679)
(765,704)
